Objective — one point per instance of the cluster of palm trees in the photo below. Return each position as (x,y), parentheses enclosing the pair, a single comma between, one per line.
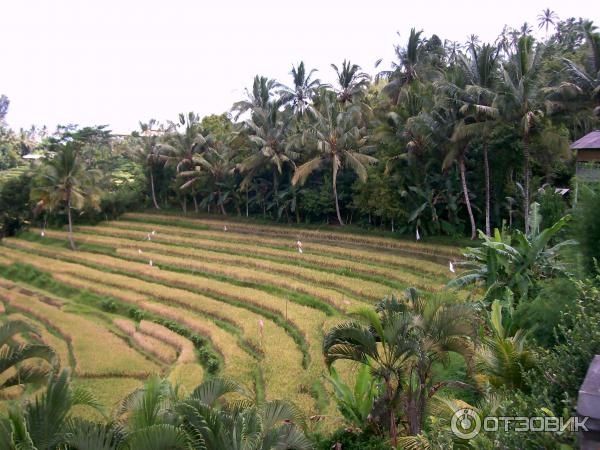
(421,132)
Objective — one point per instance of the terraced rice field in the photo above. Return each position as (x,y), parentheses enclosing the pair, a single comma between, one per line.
(192,297)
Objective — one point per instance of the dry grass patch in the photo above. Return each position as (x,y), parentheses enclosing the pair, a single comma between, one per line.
(328,256)
(98,352)
(184,346)
(282,368)
(303,233)
(59,345)
(188,376)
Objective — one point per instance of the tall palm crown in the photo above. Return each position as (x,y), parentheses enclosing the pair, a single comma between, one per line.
(406,69)
(339,139)
(547,18)
(351,81)
(519,99)
(179,148)
(268,128)
(263,89)
(211,169)
(303,90)
(148,151)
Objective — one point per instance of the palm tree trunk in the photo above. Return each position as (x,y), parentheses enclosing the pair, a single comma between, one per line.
(335,196)
(526,180)
(463,179)
(71,241)
(184,205)
(152,188)
(275,188)
(195,203)
(486,169)
(221,203)
(246,202)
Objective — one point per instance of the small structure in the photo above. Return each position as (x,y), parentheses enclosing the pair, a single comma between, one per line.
(588,157)
(587,167)
(588,405)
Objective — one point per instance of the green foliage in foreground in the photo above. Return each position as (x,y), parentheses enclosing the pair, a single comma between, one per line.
(217,415)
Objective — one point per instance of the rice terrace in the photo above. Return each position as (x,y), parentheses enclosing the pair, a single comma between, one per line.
(179,296)
(219,232)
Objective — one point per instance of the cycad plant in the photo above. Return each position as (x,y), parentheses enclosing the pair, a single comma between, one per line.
(502,358)
(18,360)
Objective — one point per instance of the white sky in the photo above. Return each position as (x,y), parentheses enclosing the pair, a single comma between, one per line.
(117,62)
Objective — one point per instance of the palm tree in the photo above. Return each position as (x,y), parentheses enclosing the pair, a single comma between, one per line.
(149,152)
(211,169)
(262,92)
(180,149)
(481,78)
(401,341)
(268,131)
(519,98)
(216,423)
(338,140)
(303,90)
(66,181)
(547,18)
(17,366)
(502,359)
(457,152)
(47,420)
(351,82)
(406,69)
(148,417)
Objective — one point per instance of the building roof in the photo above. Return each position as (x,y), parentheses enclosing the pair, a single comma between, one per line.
(589,141)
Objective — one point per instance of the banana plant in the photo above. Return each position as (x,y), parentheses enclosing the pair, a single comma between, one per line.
(514,261)
(356,403)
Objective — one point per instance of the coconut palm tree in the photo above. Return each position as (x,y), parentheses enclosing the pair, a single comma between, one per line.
(66,182)
(211,170)
(338,140)
(479,94)
(401,341)
(547,18)
(351,81)
(17,361)
(149,152)
(268,132)
(406,69)
(263,89)
(519,102)
(301,93)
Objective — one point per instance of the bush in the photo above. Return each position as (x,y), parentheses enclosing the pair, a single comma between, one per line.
(587,228)
(552,207)
(555,304)
(352,440)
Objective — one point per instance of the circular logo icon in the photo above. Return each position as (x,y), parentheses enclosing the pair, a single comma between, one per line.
(465,423)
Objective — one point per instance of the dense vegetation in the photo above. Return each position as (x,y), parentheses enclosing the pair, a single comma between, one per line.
(163,330)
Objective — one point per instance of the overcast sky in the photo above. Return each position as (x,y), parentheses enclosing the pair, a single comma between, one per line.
(120,61)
